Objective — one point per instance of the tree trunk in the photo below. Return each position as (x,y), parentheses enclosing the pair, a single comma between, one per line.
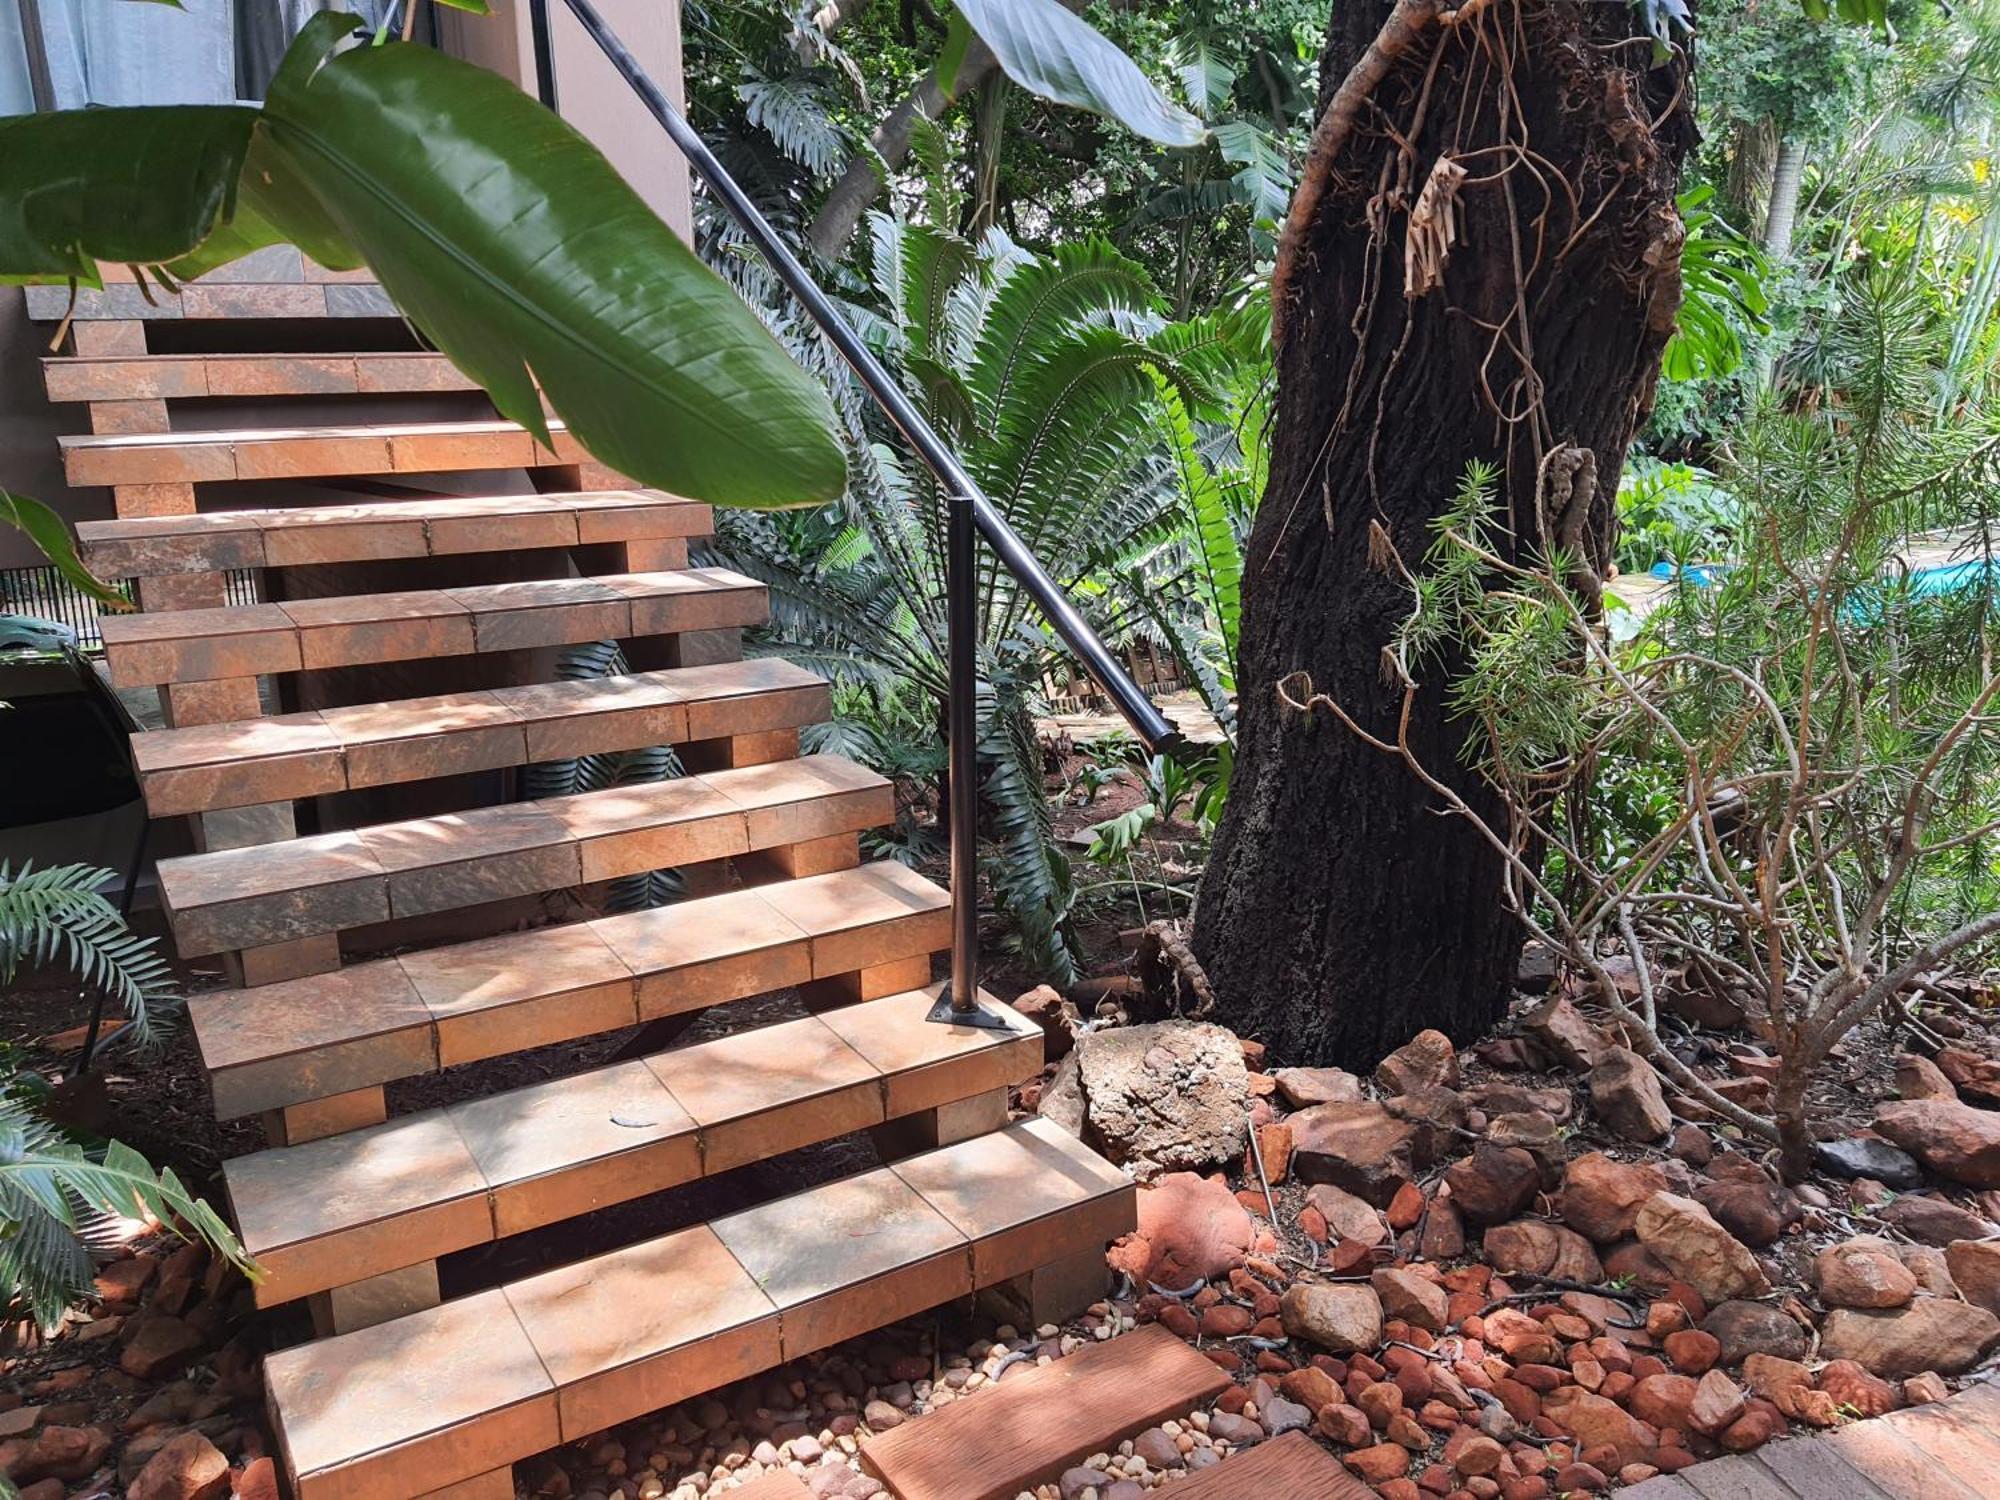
(1341,910)
(1787,173)
(1746,187)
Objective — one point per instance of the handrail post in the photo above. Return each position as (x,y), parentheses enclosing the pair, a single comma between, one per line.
(969,515)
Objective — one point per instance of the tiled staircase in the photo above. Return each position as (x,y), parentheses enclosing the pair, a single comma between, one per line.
(352,1205)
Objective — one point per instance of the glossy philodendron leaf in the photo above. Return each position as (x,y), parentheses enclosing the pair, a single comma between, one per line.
(52,539)
(508,239)
(1051,53)
(127,186)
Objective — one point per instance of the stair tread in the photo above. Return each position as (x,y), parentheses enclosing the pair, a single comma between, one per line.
(439,1395)
(127,377)
(209,455)
(193,645)
(1292,1465)
(336,1210)
(246,762)
(265,893)
(1029,1429)
(399,1017)
(152,546)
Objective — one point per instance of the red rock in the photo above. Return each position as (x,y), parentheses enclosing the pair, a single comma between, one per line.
(1494,1183)
(1346,1425)
(1692,1351)
(1683,1236)
(1626,1095)
(1753,1429)
(1954,1140)
(1380,1400)
(1443,1233)
(1312,1223)
(1347,1217)
(1382,1462)
(1311,1387)
(63,1452)
(1751,1207)
(1541,1249)
(1767,1375)
(1398,1489)
(1426,1061)
(1673,1460)
(1718,1402)
(1302,1088)
(44,1489)
(1226,1321)
(1527,1487)
(1930,1334)
(1853,1387)
(1630,1261)
(1601,1197)
(1406,1209)
(1190,1228)
(1863,1272)
(1581,1477)
(1523,1404)
(122,1281)
(1518,1336)
(1478,1454)
(1058,1019)
(162,1345)
(1975,1269)
(1920,1390)
(1663,1400)
(1413,1298)
(1359,1147)
(1594,1420)
(1562,1031)
(187,1467)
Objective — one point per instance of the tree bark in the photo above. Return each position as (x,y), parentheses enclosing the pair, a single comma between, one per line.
(1787,173)
(1341,910)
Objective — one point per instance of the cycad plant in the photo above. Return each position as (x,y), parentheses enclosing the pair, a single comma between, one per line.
(57,1194)
(1049,375)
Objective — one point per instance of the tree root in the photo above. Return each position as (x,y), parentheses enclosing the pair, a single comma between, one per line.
(1166,963)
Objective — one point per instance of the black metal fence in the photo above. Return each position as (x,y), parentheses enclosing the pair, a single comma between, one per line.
(46,595)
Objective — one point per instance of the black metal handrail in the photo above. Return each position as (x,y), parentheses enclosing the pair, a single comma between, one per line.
(968,512)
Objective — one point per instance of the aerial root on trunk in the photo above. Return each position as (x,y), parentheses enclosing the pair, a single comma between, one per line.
(1168,966)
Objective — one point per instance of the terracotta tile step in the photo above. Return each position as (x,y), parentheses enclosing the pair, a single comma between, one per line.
(272,893)
(168,377)
(330,295)
(304,1039)
(151,546)
(250,640)
(309,452)
(252,761)
(338,1210)
(1031,1428)
(438,1396)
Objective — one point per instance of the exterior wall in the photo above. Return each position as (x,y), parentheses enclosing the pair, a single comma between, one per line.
(29,426)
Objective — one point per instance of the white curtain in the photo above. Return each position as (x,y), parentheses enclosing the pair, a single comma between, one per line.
(17,95)
(116,52)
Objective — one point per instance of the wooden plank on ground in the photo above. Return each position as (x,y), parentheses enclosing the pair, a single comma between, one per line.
(777,1485)
(1293,1466)
(994,1445)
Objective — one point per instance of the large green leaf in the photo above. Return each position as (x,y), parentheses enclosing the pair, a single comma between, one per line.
(510,240)
(52,539)
(1051,53)
(128,186)
(499,231)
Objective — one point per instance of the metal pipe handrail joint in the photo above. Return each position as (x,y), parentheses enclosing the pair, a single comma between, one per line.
(969,513)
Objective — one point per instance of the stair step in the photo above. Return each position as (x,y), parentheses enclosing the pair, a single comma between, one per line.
(273,893)
(337,1210)
(318,293)
(207,456)
(249,762)
(169,377)
(199,645)
(304,1039)
(1292,1466)
(442,1395)
(152,546)
(1029,1429)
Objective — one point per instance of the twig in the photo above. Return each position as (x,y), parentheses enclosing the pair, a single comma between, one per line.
(1257,1157)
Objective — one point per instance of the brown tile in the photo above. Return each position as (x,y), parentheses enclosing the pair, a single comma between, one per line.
(867,916)
(156,546)
(279,374)
(239,764)
(543,612)
(147,459)
(307,456)
(699,953)
(128,416)
(789,802)
(410,372)
(848,1257)
(91,340)
(164,377)
(200,645)
(414,1404)
(465,859)
(925,1065)
(350,1206)
(698,599)
(328,534)
(635,514)
(1024,1196)
(493,526)
(482,445)
(743,697)
(364,628)
(206,300)
(271,893)
(599,716)
(760,1093)
(311,1038)
(623,830)
(139,500)
(644,1327)
(418,738)
(563,1148)
(523,990)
